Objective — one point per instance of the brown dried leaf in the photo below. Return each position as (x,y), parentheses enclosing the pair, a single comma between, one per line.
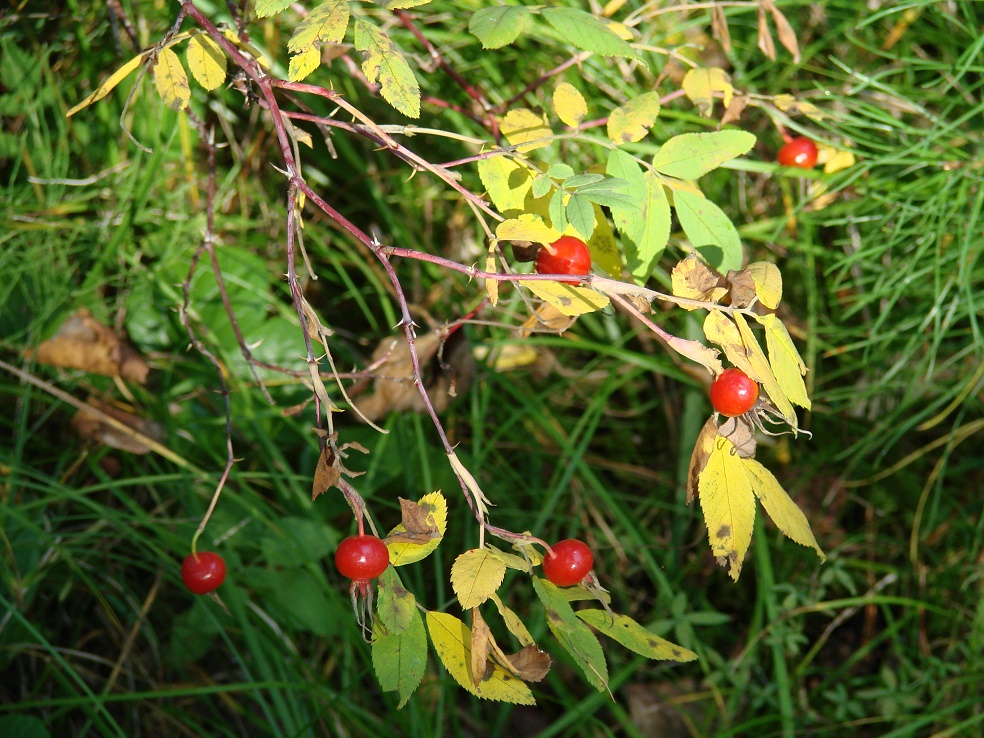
(82,342)
(742,287)
(418,528)
(692,280)
(787,36)
(481,639)
(91,428)
(765,43)
(548,318)
(740,432)
(719,28)
(529,663)
(698,459)
(696,351)
(734,110)
(326,473)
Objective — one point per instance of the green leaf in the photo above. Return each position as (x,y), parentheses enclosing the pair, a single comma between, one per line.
(395,606)
(266,8)
(633,636)
(560,171)
(403,4)
(631,122)
(588,32)
(326,23)
(579,180)
(507,181)
(573,634)
(499,26)
(23,726)
(384,61)
(581,215)
(400,659)
(645,226)
(541,185)
(612,192)
(296,541)
(709,230)
(692,155)
(558,216)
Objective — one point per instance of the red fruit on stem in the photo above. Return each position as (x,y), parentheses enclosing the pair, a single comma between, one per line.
(361,558)
(734,393)
(203,572)
(570,563)
(800,152)
(566,255)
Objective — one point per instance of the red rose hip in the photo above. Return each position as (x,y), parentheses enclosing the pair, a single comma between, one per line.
(734,393)
(799,152)
(570,563)
(566,255)
(361,558)
(203,572)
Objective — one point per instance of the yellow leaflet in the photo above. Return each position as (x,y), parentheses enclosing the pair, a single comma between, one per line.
(762,371)
(513,623)
(491,285)
(171,80)
(301,65)
(475,576)
(603,248)
(106,87)
(728,504)
(527,227)
(511,560)
(569,104)
(568,299)
(522,125)
(768,282)
(507,181)
(206,61)
(785,360)
(383,60)
(836,159)
(633,636)
(452,643)
(789,104)
(698,352)
(780,507)
(325,23)
(402,552)
(698,458)
(631,122)
(700,85)
(722,331)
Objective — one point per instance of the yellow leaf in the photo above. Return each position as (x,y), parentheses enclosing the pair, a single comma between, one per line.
(728,504)
(568,299)
(569,104)
(206,61)
(633,636)
(491,285)
(603,248)
(697,352)
(631,122)
(452,643)
(171,80)
(507,182)
(510,560)
(700,85)
(513,623)
(325,23)
(768,282)
(521,125)
(762,370)
(402,553)
(475,576)
(698,458)
(784,512)
(383,60)
(527,227)
(785,360)
(106,87)
(789,104)
(835,160)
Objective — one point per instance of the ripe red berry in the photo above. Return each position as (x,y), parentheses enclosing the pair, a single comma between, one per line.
(799,152)
(566,255)
(570,563)
(361,558)
(203,572)
(734,393)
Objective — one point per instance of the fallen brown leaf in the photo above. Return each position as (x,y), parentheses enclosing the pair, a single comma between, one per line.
(90,428)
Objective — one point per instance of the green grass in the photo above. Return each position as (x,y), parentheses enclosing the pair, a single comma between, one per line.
(99,638)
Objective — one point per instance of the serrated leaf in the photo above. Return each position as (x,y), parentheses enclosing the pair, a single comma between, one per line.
(499,26)
(580,180)
(512,561)
(569,104)
(559,170)
(557,211)
(568,299)
(266,8)
(403,553)
(728,504)
(400,659)
(452,643)
(507,182)
(631,122)
(301,65)
(610,192)
(585,31)
(542,184)
(699,85)
(206,61)
(171,80)
(780,507)
(709,230)
(513,623)
(527,227)
(692,155)
(404,4)
(107,86)
(785,360)
(395,606)
(475,576)
(521,125)
(645,226)
(634,637)
(572,633)
(384,61)
(768,282)
(325,24)
(580,215)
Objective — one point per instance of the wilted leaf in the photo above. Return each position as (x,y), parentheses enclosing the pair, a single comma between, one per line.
(91,428)
(719,28)
(768,282)
(700,84)
(108,85)
(728,504)
(546,317)
(171,80)
(784,512)
(572,633)
(634,637)
(631,122)
(698,458)
(787,36)
(569,104)
(326,23)
(692,155)
(522,125)
(789,104)
(734,110)
(741,285)
(765,43)
(326,473)
(481,644)
(692,280)
(475,576)
(384,61)
(206,60)
(513,623)
(500,25)
(418,522)
(400,659)
(785,360)
(567,299)
(740,432)
(403,552)
(529,663)
(709,230)
(697,352)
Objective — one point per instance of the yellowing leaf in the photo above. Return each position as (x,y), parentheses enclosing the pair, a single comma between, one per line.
(633,636)
(475,576)
(171,80)
(762,370)
(507,181)
(768,282)
(835,160)
(206,61)
(301,65)
(784,512)
(108,85)
(491,285)
(513,623)
(569,104)
(728,504)
(326,23)
(785,360)
(452,643)
(395,606)
(692,155)
(568,299)
(402,552)
(692,280)
(266,8)
(383,60)
(631,122)
(697,352)
(603,248)
(400,659)
(527,227)
(521,125)
(789,104)
(700,85)
(698,458)
(510,560)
